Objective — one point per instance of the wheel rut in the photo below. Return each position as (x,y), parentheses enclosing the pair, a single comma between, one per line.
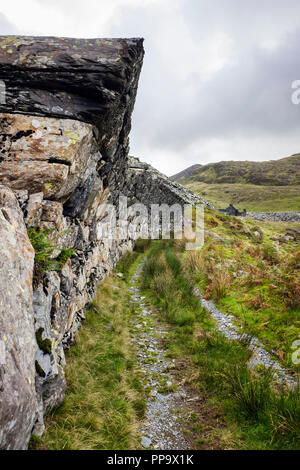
(163,426)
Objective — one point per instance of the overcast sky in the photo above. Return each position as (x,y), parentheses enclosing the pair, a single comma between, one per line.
(217,74)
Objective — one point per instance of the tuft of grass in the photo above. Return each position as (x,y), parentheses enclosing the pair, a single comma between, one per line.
(269,252)
(44,259)
(287,417)
(220,284)
(142,245)
(252,393)
(127,260)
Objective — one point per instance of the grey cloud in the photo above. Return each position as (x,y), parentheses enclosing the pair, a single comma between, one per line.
(178,107)
(249,97)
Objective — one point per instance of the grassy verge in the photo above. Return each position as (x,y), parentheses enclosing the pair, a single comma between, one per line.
(256,416)
(104,400)
(251,271)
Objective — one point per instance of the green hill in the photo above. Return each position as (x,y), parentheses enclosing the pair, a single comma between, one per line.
(256,186)
(185,173)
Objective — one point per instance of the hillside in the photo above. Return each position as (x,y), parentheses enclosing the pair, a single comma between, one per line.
(185,173)
(257,186)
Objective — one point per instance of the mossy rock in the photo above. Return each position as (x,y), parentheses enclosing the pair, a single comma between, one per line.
(44,344)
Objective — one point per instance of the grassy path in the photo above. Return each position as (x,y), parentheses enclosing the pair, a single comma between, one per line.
(163,426)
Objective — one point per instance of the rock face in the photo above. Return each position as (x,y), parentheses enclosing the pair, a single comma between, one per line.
(44,154)
(64,153)
(149,186)
(18,347)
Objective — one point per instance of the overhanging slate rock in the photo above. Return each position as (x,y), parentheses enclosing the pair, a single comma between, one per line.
(91,80)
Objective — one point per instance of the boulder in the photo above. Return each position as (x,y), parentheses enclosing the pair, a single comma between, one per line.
(18,347)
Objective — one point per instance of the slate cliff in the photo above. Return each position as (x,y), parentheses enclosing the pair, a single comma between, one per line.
(64,127)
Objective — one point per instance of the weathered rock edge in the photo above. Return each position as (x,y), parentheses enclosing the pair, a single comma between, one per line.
(92,80)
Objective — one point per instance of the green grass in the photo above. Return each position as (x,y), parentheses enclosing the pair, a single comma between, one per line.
(252,278)
(247,276)
(256,415)
(253,198)
(127,261)
(45,259)
(255,186)
(105,400)
(283,172)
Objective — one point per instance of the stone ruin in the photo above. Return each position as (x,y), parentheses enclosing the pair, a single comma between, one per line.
(231,210)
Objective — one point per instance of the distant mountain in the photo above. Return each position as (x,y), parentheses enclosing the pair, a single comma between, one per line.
(283,172)
(185,173)
(257,186)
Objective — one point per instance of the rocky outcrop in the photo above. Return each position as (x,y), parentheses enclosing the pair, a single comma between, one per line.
(64,153)
(91,80)
(149,186)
